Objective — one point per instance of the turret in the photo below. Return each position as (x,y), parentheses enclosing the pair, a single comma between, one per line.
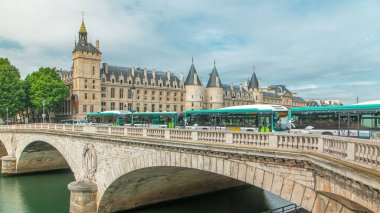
(195,92)
(214,90)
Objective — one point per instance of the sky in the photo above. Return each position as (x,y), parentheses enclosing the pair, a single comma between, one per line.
(323,49)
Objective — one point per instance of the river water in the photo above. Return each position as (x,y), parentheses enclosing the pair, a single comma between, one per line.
(48,193)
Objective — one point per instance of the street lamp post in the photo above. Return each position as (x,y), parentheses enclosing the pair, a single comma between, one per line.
(43,111)
(133,91)
(7,116)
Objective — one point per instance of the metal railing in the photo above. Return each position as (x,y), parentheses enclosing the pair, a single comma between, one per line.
(285,209)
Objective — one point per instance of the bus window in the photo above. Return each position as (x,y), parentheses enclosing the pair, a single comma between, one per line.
(370,122)
(354,121)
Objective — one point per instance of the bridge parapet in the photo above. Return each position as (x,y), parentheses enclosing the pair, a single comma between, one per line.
(298,167)
(357,151)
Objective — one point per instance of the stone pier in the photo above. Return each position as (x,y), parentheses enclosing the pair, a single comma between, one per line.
(83,196)
(8,165)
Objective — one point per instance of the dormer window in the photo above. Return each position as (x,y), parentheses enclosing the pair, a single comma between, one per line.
(113,80)
(103,80)
(129,82)
(121,81)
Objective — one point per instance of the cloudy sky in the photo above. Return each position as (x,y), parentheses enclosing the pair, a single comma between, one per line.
(326,49)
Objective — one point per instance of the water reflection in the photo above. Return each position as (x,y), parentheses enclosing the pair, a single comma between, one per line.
(40,193)
(242,199)
(35,193)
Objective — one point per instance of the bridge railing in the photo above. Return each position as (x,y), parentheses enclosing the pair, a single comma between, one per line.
(359,151)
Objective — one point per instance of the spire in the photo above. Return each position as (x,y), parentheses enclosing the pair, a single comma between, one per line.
(253,83)
(214,80)
(192,77)
(82,26)
(82,33)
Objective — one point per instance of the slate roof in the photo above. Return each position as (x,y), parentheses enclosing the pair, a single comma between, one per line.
(227,88)
(253,83)
(279,88)
(297,99)
(190,77)
(126,72)
(87,47)
(212,81)
(271,95)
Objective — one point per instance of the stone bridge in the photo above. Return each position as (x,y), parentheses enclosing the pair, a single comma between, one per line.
(119,168)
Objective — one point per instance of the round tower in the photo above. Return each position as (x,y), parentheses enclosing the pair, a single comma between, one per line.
(195,92)
(214,91)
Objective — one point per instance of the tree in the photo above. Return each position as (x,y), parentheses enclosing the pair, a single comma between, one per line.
(11,89)
(46,90)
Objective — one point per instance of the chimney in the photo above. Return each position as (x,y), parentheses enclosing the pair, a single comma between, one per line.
(97,44)
(168,74)
(232,86)
(145,72)
(217,81)
(241,87)
(181,77)
(154,73)
(260,86)
(133,71)
(105,66)
(195,78)
(246,85)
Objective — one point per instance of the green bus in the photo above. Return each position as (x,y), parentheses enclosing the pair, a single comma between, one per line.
(259,118)
(110,118)
(359,120)
(152,119)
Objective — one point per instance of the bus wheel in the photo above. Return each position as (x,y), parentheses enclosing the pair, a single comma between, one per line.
(327,133)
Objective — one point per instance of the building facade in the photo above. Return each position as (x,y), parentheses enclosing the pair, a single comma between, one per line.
(96,86)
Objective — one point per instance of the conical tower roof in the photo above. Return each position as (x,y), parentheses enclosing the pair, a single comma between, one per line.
(191,76)
(253,83)
(214,80)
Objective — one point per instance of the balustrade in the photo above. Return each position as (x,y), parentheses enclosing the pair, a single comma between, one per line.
(180,134)
(212,136)
(156,133)
(335,147)
(102,129)
(117,130)
(250,138)
(135,131)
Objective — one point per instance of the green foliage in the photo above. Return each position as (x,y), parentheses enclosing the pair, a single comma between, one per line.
(45,85)
(11,90)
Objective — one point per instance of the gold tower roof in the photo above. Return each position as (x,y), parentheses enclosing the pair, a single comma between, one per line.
(82,26)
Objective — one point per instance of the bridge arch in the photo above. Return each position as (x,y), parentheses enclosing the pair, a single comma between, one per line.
(129,176)
(188,166)
(3,149)
(41,153)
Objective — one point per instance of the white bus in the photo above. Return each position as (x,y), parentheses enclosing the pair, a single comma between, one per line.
(258,118)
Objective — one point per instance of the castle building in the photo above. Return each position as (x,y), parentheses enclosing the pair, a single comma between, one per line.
(96,86)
